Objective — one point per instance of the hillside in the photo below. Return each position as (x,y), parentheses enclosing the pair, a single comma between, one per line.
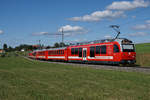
(143,48)
(143,54)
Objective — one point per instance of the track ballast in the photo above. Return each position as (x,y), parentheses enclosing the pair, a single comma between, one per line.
(98,66)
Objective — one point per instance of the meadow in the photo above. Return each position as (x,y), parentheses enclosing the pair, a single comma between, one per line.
(143,54)
(22,79)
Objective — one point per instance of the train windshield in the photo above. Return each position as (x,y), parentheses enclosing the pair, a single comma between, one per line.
(128,48)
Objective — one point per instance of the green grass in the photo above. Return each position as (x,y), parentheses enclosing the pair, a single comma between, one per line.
(143,48)
(21,79)
(143,54)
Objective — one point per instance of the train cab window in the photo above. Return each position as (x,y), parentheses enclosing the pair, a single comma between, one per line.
(80,52)
(97,49)
(92,51)
(76,51)
(103,49)
(128,48)
(116,48)
(72,51)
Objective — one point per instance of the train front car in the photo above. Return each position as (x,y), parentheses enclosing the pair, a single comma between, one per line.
(126,54)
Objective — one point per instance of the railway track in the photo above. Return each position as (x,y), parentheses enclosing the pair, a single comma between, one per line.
(98,66)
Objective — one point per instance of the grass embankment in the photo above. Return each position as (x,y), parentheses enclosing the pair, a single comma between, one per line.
(21,79)
(143,54)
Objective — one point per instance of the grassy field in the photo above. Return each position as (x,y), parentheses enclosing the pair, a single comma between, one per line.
(143,54)
(21,79)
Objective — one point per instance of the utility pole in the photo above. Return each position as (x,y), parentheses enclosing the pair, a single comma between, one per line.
(39,44)
(60,33)
(62,36)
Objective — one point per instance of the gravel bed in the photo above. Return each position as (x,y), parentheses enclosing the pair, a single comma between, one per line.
(107,67)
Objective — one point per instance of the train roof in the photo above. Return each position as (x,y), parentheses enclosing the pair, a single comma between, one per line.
(119,40)
(102,41)
(52,49)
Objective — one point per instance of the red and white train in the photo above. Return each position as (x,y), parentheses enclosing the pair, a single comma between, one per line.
(109,51)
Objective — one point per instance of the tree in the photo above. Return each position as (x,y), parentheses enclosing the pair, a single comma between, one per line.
(56,45)
(62,44)
(5,47)
(10,49)
(48,47)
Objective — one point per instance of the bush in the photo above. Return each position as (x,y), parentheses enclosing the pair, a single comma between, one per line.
(3,55)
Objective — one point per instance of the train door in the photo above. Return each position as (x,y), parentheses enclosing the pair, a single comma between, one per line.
(116,52)
(84,54)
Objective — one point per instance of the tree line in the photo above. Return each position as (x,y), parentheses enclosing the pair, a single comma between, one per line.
(27,47)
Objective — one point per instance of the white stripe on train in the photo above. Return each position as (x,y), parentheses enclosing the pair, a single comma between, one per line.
(101,57)
(56,56)
(76,57)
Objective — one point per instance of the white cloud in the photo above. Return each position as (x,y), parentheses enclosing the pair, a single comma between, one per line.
(76,40)
(112,11)
(127,5)
(108,37)
(133,17)
(67,29)
(138,34)
(145,26)
(1,31)
(40,33)
(99,15)
(70,30)
(147,21)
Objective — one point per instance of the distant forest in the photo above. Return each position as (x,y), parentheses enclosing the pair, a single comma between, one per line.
(27,47)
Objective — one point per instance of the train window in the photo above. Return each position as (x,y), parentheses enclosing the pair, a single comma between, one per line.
(128,48)
(80,52)
(76,51)
(92,51)
(49,52)
(72,51)
(63,52)
(116,48)
(34,54)
(97,49)
(59,52)
(103,49)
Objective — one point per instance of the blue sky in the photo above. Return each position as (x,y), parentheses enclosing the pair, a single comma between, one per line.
(27,21)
